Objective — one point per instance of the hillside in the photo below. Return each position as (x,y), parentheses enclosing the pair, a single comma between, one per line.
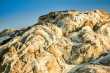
(60,42)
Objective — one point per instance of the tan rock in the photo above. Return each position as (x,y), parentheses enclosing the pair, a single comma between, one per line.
(61,42)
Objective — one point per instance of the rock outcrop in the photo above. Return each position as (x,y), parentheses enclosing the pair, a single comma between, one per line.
(61,42)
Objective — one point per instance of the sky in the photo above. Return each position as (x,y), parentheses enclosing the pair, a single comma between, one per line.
(23,13)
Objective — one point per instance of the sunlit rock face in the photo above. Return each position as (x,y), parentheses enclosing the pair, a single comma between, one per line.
(61,42)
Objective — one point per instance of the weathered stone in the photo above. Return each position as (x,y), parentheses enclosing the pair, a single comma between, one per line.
(61,42)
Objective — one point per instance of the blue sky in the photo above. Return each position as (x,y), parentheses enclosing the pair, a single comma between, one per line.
(22,13)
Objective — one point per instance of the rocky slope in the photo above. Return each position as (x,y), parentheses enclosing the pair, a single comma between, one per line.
(61,42)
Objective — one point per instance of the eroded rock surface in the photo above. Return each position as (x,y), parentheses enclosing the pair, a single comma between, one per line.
(61,42)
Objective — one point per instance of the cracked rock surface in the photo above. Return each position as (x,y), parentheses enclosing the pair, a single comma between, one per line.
(61,42)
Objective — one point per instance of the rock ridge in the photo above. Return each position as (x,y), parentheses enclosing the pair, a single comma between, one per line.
(60,42)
